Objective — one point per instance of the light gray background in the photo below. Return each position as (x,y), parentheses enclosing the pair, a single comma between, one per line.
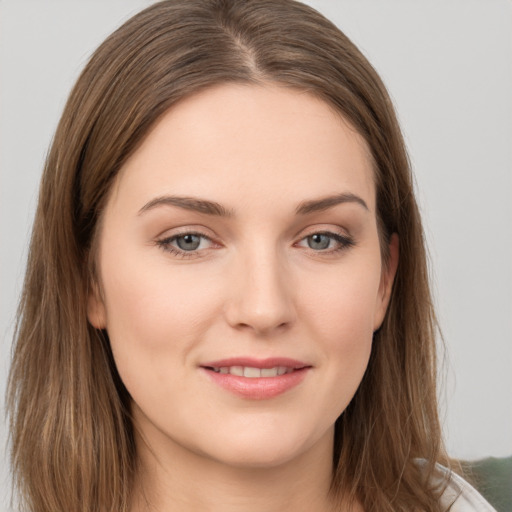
(448,65)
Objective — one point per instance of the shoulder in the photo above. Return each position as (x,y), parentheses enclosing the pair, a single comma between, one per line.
(460,496)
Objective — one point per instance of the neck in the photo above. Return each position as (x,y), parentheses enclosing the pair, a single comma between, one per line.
(174,478)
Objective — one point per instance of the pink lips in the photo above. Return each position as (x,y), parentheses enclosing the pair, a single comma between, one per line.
(290,373)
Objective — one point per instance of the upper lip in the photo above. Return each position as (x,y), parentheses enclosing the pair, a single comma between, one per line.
(251,362)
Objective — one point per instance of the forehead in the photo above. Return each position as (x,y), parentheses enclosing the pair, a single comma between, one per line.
(262,140)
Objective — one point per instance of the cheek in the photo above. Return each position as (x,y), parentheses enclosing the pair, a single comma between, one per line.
(340,305)
(154,314)
(147,297)
(339,316)
(348,333)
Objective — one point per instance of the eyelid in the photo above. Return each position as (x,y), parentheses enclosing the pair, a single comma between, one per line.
(192,229)
(323,229)
(345,240)
(165,242)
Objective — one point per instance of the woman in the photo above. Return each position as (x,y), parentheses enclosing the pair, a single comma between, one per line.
(227,285)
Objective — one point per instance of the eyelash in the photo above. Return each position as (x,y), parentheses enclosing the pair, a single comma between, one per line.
(344,242)
(165,244)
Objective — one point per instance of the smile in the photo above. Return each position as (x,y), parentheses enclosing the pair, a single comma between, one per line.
(252,372)
(256,379)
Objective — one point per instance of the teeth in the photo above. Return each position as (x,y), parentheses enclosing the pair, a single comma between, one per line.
(237,370)
(251,373)
(269,372)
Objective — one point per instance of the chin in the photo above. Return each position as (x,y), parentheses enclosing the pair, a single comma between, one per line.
(256,457)
(269,449)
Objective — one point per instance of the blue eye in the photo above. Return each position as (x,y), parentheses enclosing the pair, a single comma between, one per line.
(326,242)
(188,242)
(185,244)
(319,241)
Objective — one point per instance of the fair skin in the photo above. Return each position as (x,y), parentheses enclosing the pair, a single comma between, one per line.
(267,271)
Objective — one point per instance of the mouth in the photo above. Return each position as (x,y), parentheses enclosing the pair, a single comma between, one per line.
(256,379)
(252,372)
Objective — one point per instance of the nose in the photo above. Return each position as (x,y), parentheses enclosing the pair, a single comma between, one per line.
(261,294)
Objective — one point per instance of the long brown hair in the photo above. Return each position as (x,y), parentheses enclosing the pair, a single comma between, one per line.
(71,432)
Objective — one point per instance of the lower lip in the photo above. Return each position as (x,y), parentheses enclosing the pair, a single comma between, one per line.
(258,388)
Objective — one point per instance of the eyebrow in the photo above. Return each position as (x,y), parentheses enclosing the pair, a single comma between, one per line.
(213,208)
(188,203)
(324,203)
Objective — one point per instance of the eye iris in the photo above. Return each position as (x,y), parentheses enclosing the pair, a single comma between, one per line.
(188,242)
(318,241)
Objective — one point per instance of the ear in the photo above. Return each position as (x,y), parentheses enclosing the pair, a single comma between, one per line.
(386,282)
(96,313)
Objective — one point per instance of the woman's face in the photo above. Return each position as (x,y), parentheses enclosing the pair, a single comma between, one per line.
(240,275)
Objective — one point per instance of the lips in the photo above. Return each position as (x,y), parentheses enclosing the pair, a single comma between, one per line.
(256,379)
(253,372)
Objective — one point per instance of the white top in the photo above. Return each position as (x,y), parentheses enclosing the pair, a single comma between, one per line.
(463,496)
